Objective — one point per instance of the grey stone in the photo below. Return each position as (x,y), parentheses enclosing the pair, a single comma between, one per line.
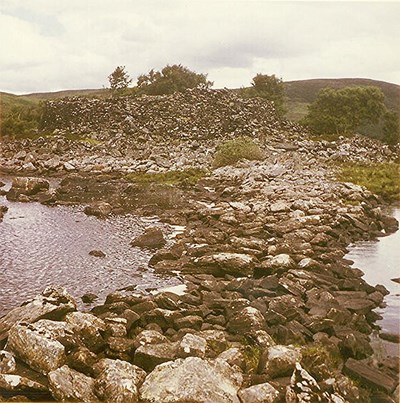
(192,379)
(261,393)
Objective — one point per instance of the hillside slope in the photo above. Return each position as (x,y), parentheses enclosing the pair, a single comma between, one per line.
(303,92)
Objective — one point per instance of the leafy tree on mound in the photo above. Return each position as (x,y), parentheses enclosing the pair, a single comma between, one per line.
(170,79)
(119,79)
(268,87)
(345,110)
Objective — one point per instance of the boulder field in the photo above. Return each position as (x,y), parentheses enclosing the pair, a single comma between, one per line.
(272,311)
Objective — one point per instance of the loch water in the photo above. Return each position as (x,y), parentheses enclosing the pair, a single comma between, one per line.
(42,245)
(380,262)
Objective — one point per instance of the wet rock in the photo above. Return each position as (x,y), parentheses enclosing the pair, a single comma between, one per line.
(192,346)
(66,384)
(36,344)
(226,263)
(151,355)
(262,393)
(7,362)
(53,303)
(118,381)
(97,253)
(192,379)
(98,209)
(280,360)
(89,297)
(151,238)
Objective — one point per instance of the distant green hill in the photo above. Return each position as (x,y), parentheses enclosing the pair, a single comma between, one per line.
(10,101)
(303,92)
(66,93)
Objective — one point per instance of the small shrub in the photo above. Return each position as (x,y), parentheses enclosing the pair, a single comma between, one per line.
(230,152)
(382,179)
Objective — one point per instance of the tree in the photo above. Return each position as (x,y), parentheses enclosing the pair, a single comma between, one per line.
(391,128)
(268,87)
(170,79)
(345,110)
(119,79)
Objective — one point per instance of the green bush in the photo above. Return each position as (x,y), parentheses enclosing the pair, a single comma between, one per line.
(381,179)
(230,152)
(21,121)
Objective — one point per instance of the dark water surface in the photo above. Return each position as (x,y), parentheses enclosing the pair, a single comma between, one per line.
(380,261)
(41,246)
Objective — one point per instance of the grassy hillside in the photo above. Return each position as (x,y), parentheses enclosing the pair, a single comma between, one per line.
(301,93)
(66,93)
(10,101)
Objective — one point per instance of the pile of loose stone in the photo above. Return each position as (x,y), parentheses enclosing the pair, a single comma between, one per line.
(159,133)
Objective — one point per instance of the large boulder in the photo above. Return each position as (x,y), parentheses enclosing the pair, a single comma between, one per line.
(66,384)
(7,362)
(151,355)
(16,384)
(37,345)
(192,380)
(53,303)
(98,209)
(282,262)
(218,264)
(118,381)
(192,346)
(152,238)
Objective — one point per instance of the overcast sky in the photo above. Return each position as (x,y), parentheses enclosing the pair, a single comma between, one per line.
(49,45)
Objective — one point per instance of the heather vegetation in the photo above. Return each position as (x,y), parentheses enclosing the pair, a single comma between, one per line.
(382,179)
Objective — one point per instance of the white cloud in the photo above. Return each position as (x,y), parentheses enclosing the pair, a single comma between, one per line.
(55,45)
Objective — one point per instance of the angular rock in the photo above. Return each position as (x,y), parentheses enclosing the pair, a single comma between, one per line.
(189,322)
(36,344)
(226,263)
(152,238)
(66,384)
(149,337)
(98,209)
(118,381)
(20,384)
(29,186)
(192,346)
(261,393)
(7,362)
(280,361)
(248,319)
(53,303)
(278,262)
(88,328)
(192,380)
(370,377)
(151,355)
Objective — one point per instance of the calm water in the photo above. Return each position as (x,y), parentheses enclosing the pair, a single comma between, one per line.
(380,261)
(41,245)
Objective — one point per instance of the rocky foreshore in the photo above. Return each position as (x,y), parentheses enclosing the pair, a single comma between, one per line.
(272,312)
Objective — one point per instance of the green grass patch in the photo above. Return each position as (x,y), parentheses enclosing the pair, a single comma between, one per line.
(382,179)
(232,151)
(185,178)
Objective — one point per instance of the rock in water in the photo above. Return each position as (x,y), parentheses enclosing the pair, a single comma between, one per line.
(53,303)
(98,209)
(192,380)
(151,238)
